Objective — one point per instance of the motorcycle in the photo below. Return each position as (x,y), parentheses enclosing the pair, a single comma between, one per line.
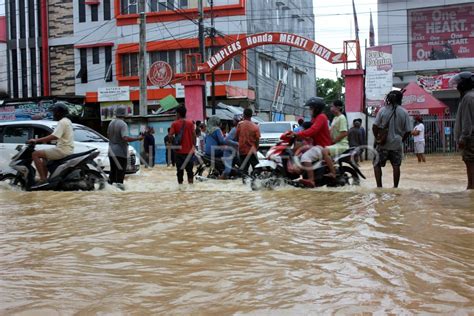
(211,168)
(72,173)
(282,166)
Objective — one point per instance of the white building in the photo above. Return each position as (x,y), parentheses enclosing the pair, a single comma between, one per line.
(429,38)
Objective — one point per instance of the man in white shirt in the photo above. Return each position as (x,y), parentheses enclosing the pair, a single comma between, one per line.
(419,138)
(63,134)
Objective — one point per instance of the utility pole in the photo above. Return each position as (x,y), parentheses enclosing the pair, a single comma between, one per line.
(202,50)
(213,74)
(141,60)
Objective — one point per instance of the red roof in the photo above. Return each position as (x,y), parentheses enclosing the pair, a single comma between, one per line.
(3,29)
(416,98)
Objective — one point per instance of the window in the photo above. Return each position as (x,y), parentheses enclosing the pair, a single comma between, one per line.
(15,73)
(24,73)
(278,16)
(264,67)
(282,73)
(108,64)
(34,83)
(39,132)
(183,4)
(82,74)
(129,6)
(86,135)
(82,11)
(94,13)
(21,4)
(181,66)
(16,134)
(129,65)
(31,18)
(169,56)
(95,55)
(12,17)
(297,79)
(107,14)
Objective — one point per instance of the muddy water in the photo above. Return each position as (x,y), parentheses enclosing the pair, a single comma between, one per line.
(218,248)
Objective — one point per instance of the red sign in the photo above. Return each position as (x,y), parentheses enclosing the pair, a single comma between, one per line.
(233,49)
(444,32)
(437,82)
(160,73)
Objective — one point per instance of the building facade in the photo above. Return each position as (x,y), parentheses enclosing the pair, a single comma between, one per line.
(3,58)
(430,40)
(93,44)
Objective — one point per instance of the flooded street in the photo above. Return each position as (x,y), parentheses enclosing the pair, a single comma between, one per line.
(219,248)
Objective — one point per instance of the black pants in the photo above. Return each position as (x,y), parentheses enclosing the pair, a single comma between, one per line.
(184,162)
(247,160)
(118,166)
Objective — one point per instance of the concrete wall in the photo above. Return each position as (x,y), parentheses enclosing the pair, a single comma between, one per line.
(60,16)
(62,70)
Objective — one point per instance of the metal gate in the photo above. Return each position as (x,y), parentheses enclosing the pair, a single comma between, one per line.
(439,135)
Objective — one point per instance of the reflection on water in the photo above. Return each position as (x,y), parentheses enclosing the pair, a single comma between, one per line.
(219,248)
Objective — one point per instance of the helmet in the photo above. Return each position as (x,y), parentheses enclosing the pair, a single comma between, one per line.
(463,81)
(60,108)
(315,102)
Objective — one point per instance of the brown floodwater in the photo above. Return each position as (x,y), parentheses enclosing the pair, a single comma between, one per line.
(219,248)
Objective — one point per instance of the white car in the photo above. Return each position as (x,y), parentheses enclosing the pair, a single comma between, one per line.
(270,133)
(16,133)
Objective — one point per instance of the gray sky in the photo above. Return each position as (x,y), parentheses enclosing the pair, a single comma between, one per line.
(335,23)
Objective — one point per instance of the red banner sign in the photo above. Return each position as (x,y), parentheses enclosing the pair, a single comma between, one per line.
(233,49)
(444,32)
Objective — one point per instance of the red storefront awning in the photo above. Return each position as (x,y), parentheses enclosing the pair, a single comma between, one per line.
(419,102)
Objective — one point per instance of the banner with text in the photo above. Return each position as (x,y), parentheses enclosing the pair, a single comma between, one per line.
(444,32)
(378,76)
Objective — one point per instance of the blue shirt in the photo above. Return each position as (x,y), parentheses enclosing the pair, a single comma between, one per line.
(213,140)
(230,138)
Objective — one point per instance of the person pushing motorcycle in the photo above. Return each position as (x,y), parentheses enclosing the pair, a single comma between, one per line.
(319,132)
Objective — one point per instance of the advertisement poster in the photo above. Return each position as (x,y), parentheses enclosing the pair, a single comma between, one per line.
(108,109)
(439,33)
(7,113)
(379,76)
(436,83)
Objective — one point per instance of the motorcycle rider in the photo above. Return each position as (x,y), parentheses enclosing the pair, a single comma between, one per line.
(319,132)
(464,125)
(63,134)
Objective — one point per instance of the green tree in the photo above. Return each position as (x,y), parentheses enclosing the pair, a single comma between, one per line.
(329,89)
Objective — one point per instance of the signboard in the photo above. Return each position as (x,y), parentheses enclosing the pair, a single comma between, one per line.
(108,109)
(435,83)
(7,113)
(160,73)
(418,112)
(379,76)
(233,49)
(179,89)
(111,94)
(439,33)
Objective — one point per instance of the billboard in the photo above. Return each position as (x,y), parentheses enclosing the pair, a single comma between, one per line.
(108,109)
(439,33)
(378,76)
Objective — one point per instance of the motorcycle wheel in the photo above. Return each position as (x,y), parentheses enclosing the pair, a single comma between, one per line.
(349,176)
(94,180)
(13,181)
(264,179)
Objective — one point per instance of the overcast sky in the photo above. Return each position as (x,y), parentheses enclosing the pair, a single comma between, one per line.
(335,23)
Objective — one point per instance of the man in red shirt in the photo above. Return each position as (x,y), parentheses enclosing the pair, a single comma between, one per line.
(319,132)
(248,136)
(183,138)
